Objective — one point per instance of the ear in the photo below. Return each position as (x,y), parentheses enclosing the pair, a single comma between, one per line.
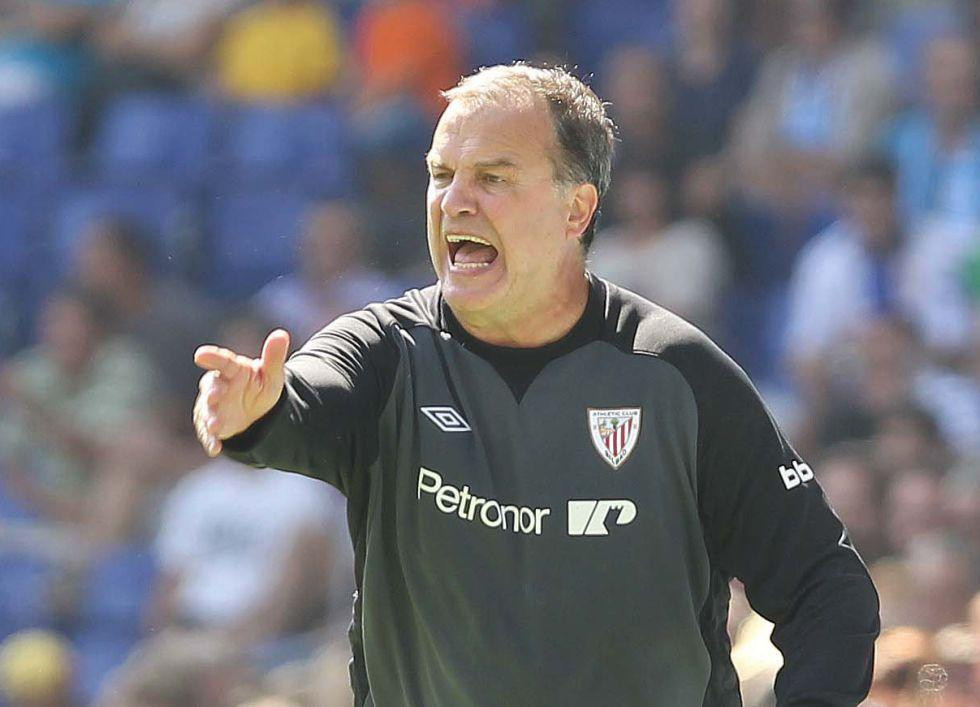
(584,202)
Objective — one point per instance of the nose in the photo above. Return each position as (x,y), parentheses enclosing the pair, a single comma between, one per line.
(458,199)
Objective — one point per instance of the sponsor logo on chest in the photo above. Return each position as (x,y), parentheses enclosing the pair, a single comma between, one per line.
(585,516)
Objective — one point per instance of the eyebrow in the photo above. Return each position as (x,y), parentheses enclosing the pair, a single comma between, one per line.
(499,162)
(485,164)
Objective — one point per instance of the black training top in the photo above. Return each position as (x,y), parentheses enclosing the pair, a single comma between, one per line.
(558,526)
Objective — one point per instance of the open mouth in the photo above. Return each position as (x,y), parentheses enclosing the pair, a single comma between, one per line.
(470,252)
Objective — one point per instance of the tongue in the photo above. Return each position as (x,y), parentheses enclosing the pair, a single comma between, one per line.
(475,253)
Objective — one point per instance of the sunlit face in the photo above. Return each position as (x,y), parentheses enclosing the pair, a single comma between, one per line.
(951,66)
(492,179)
(68,333)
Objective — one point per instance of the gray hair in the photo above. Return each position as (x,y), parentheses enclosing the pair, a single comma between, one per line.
(585,134)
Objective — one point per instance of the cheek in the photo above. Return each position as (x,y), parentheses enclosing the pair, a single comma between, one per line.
(432,216)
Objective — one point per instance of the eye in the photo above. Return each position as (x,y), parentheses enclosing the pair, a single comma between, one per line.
(440,176)
(493,178)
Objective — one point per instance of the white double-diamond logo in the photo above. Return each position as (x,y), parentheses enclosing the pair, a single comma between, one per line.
(589,517)
(446,418)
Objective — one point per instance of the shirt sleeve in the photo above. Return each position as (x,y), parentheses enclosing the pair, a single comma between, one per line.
(767,522)
(325,423)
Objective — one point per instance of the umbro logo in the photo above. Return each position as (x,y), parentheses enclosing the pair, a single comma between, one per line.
(446,418)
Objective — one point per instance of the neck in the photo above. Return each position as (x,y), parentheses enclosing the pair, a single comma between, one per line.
(952,126)
(702,54)
(136,300)
(532,327)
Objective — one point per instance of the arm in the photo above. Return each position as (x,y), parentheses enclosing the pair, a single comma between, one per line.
(767,522)
(318,412)
(300,588)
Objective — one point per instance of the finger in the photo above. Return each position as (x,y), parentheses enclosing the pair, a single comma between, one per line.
(214,394)
(212,423)
(208,440)
(207,380)
(225,361)
(274,351)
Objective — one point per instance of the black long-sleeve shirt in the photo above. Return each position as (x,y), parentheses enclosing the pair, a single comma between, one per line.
(558,526)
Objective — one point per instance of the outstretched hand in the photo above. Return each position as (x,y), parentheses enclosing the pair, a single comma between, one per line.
(237,390)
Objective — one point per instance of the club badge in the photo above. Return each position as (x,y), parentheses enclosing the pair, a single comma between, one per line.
(614,433)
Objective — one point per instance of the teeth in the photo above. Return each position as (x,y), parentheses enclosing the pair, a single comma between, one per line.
(455,238)
(470,266)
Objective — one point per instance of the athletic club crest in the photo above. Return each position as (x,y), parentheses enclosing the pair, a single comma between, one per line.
(614,433)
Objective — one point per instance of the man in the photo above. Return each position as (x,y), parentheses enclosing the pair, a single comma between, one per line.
(550,480)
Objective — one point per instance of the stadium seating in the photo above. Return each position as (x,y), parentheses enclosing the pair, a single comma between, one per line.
(20,278)
(24,591)
(298,147)
(164,214)
(594,28)
(34,142)
(157,138)
(113,599)
(495,33)
(252,238)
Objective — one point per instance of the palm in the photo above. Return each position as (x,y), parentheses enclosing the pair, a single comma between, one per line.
(237,390)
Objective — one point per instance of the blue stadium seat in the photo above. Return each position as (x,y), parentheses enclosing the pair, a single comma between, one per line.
(158,138)
(12,507)
(291,147)
(21,267)
(163,213)
(114,599)
(18,234)
(34,142)
(496,33)
(596,27)
(117,589)
(24,585)
(252,238)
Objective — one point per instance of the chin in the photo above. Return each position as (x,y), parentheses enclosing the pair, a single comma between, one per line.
(470,296)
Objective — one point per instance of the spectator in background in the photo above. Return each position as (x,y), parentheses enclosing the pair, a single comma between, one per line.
(847,477)
(907,437)
(961,507)
(844,278)
(681,266)
(158,44)
(636,82)
(42,50)
(817,102)
(280,50)
(65,401)
(331,276)
(711,72)
(912,508)
(936,287)
(940,577)
(181,670)
(36,670)
(408,51)
(899,653)
(888,390)
(253,553)
(159,314)
(936,145)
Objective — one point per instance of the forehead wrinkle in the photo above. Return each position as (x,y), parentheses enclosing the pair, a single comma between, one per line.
(493,148)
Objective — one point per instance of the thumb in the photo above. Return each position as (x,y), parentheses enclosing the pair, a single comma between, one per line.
(274,352)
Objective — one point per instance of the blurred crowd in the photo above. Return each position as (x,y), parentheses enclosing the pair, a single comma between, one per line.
(800,178)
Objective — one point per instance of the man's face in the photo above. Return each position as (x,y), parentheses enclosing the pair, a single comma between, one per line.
(951,66)
(872,206)
(491,177)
